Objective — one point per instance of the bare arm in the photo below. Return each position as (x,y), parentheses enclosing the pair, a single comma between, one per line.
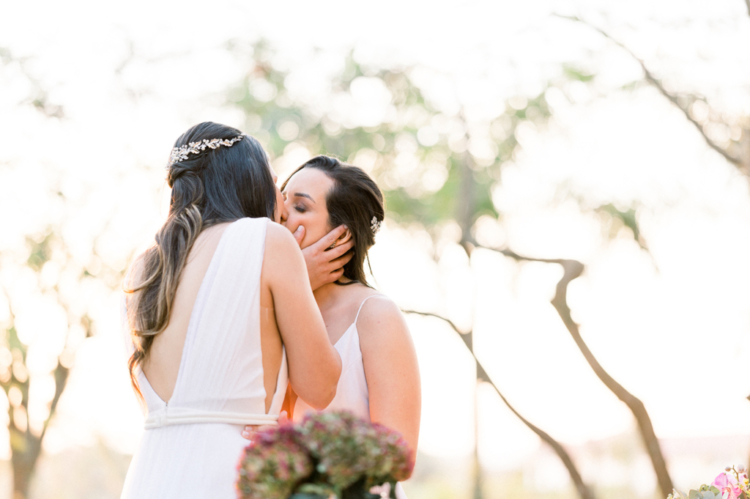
(391,369)
(314,365)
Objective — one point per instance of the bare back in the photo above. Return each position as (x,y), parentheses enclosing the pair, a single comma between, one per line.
(162,364)
(203,378)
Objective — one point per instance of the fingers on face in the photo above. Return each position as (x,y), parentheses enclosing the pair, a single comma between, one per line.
(340,249)
(341,261)
(332,236)
(299,234)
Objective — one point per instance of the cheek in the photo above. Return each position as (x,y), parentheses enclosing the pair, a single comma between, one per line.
(316,226)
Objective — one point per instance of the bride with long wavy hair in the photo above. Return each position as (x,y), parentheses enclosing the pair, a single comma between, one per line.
(221,317)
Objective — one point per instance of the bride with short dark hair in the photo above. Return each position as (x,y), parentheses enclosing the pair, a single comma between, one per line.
(380,376)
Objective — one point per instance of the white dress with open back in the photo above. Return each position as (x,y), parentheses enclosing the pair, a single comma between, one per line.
(192,443)
(352,393)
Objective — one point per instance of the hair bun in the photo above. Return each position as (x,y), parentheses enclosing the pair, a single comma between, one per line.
(177,172)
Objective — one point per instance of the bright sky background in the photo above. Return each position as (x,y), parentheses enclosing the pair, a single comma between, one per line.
(674,330)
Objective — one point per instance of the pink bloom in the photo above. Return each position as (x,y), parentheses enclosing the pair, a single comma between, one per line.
(727,483)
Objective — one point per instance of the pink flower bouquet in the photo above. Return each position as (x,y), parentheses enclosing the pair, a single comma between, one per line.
(328,454)
(730,484)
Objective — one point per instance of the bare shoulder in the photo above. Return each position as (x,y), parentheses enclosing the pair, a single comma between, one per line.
(278,237)
(380,316)
(384,337)
(378,304)
(281,256)
(279,243)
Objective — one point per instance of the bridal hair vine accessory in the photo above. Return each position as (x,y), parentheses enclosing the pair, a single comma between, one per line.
(375,225)
(184,152)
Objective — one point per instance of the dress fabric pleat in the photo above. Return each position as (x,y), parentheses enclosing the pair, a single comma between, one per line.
(192,443)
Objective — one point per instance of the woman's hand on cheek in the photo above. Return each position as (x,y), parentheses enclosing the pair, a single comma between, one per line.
(325,265)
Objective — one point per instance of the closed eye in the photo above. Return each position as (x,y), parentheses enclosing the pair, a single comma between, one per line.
(300,209)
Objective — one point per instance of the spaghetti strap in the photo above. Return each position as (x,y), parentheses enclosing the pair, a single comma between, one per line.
(362,305)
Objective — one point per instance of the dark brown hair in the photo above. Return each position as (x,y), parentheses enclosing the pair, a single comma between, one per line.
(355,200)
(210,187)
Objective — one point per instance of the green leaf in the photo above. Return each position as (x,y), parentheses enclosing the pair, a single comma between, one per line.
(705,492)
(577,74)
(39,251)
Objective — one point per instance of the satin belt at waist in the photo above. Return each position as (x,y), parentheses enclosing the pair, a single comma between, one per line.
(183,416)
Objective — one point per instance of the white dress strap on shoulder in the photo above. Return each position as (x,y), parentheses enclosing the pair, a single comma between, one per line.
(363,304)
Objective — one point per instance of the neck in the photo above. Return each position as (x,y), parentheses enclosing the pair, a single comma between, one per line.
(327,294)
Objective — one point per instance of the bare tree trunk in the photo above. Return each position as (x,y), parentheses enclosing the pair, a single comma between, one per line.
(572,269)
(24,462)
(740,159)
(465,212)
(745,144)
(478,472)
(25,444)
(465,208)
(26,447)
(584,492)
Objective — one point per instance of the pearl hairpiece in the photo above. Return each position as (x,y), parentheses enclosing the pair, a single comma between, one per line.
(375,225)
(182,153)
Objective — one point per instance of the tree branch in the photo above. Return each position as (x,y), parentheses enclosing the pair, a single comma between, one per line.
(748,6)
(572,269)
(462,335)
(583,491)
(650,78)
(467,199)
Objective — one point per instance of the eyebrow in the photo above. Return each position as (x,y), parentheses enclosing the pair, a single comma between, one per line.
(303,195)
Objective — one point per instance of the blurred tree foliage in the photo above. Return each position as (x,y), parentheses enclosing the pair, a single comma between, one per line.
(34,372)
(725,132)
(418,153)
(434,168)
(53,276)
(15,378)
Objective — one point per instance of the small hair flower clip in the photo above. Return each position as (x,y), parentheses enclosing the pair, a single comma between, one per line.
(375,225)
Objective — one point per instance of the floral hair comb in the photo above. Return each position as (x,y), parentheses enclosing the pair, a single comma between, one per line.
(184,152)
(375,225)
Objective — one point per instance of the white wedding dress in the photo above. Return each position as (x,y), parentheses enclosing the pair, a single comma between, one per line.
(192,443)
(352,393)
